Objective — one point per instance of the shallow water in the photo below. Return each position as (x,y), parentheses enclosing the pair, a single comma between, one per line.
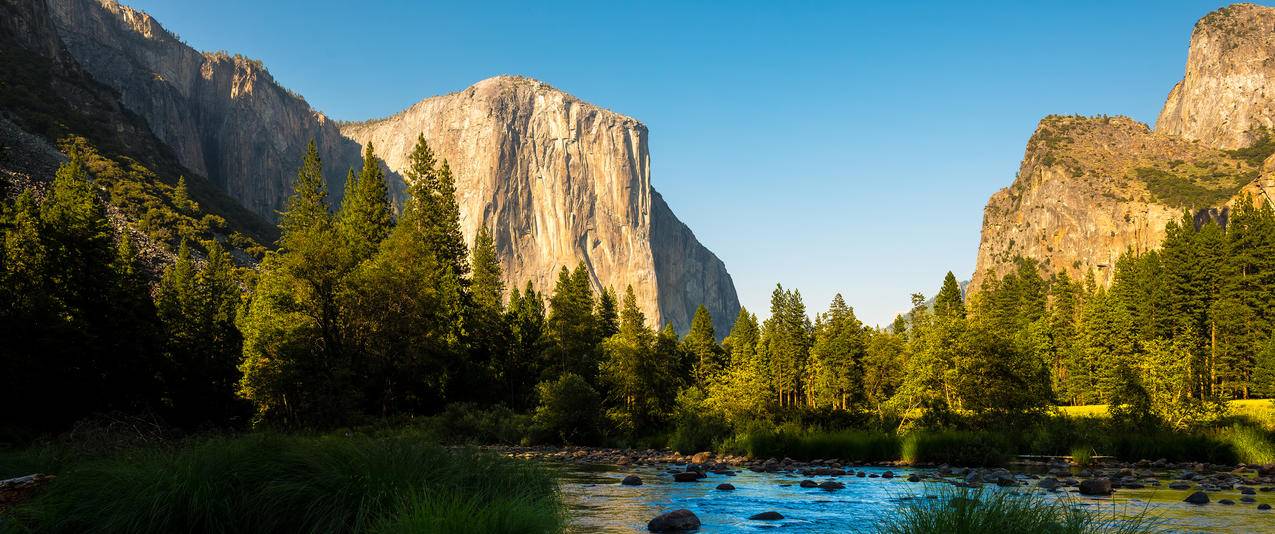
(599,503)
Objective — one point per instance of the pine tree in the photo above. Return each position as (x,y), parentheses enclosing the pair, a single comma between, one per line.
(950,299)
(572,324)
(486,283)
(608,315)
(636,373)
(700,344)
(743,338)
(837,356)
(181,198)
(365,218)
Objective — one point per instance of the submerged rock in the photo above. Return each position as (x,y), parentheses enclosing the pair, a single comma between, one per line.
(809,484)
(725,487)
(1095,486)
(767,516)
(631,480)
(675,521)
(686,476)
(1198,497)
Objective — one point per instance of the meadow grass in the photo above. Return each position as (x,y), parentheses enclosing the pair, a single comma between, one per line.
(272,483)
(994,511)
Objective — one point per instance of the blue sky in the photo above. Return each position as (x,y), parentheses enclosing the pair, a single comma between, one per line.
(829,146)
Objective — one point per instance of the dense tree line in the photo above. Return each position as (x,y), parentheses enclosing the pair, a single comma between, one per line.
(366,311)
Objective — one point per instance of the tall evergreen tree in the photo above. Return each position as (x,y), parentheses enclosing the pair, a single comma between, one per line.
(365,217)
(950,299)
(837,356)
(701,345)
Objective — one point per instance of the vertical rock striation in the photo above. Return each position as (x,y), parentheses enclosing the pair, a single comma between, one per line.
(1092,188)
(560,181)
(1228,90)
(223,116)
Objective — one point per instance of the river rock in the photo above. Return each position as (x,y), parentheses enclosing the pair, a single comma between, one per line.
(701,457)
(631,480)
(1048,484)
(675,521)
(914,477)
(832,485)
(1095,486)
(1179,485)
(1198,497)
(887,474)
(809,484)
(766,516)
(725,487)
(1227,502)
(1263,506)
(686,476)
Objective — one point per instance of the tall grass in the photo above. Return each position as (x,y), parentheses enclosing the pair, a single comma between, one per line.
(957,448)
(995,511)
(855,445)
(270,483)
(1251,445)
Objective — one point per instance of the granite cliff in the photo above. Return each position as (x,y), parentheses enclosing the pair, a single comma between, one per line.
(223,115)
(1091,188)
(560,181)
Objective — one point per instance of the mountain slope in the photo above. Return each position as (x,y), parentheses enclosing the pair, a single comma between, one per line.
(560,181)
(46,98)
(1091,188)
(223,115)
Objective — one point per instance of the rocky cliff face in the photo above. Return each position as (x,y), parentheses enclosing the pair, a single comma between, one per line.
(223,116)
(1229,86)
(560,181)
(1091,188)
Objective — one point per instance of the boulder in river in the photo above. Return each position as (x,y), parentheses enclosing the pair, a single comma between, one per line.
(1227,502)
(914,477)
(701,457)
(1179,485)
(1198,497)
(1263,506)
(631,480)
(686,476)
(725,487)
(809,484)
(1095,486)
(1048,484)
(832,485)
(767,516)
(887,474)
(676,521)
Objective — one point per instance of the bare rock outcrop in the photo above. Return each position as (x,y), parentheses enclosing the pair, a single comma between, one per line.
(1228,90)
(560,181)
(1092,188)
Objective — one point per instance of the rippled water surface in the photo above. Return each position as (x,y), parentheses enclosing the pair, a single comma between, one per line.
(600,504)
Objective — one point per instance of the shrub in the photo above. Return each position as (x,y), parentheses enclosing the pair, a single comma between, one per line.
(696,427)
(957,448)
(568,410)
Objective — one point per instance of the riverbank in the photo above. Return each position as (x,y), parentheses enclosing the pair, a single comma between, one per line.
(266,483)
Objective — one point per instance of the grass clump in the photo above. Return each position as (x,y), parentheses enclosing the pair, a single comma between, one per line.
(1251,445)
(856,445)
(972,448)
(993,511)
(270,483)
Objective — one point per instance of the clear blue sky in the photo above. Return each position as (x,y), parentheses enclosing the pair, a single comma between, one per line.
(831,146)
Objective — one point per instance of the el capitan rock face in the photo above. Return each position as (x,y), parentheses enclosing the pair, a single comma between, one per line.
(560,181)
(1228,90)
(1092,188)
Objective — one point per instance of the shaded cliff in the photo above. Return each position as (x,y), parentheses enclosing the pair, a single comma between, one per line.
(48,99)
(560,181)
(223,115)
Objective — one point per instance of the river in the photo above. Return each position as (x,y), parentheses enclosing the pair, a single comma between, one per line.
(598,503)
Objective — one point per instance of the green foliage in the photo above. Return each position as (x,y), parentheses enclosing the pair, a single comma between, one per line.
(957,448)
(572,325)
(696,427)
(268,483)
(1182,191)
(568,409)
